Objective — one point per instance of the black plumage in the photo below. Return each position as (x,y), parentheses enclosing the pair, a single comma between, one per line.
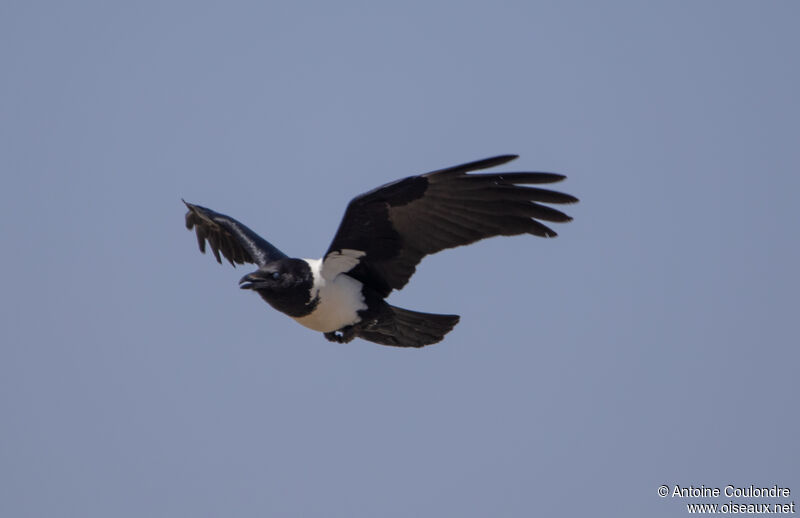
(382,237)
(237,243)
(401,222)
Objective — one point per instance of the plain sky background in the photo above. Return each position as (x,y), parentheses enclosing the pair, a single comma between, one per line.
(653,342)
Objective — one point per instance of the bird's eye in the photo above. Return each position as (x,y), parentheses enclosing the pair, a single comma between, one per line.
(276,276)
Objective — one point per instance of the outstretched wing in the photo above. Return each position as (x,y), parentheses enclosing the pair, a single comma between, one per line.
(387,231)
(237,243)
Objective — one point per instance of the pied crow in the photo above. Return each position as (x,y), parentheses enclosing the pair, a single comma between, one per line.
(383,236)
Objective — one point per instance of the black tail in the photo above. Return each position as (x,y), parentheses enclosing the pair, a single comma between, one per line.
(404,328)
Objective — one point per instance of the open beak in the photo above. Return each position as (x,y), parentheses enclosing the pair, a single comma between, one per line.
(248,281)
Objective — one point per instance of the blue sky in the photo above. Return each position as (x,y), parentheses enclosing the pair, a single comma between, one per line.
(653,342)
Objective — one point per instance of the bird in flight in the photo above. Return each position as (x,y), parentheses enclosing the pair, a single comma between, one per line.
(382,237)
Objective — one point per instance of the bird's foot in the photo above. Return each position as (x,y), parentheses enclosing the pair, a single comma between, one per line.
(342,336)
(333,337)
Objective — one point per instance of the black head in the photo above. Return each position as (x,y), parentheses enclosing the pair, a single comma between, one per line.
(285,284)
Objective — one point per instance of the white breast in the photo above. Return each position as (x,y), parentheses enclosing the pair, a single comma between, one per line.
(340,299)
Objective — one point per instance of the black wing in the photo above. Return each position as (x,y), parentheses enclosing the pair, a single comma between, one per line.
(236,242)
(399,223)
